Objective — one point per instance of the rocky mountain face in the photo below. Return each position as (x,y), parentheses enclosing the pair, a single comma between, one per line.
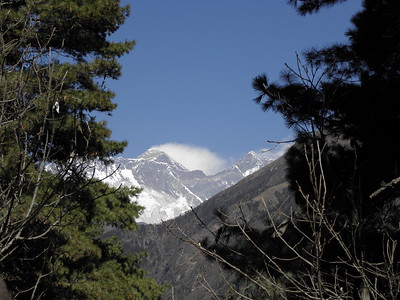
(169,189)
(173,257)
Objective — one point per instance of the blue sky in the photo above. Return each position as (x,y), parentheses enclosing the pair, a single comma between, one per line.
(188,79)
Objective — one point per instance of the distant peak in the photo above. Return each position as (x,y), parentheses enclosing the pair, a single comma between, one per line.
(152,152)
(156,155)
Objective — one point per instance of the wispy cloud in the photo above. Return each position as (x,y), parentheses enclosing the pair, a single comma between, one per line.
(277,150)
(194,157)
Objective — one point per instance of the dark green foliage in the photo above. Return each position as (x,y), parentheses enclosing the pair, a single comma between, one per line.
(343,104)
(74,262)
(355,108)
(55,57)
(304,7)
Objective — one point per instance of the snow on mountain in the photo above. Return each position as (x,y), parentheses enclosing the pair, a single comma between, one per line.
(169,189)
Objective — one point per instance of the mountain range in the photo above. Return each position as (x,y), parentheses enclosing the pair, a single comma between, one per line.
(172,256)
(168,188)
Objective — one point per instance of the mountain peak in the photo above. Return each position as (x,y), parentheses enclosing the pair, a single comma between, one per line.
(151,153)
(169,188)
(159,156)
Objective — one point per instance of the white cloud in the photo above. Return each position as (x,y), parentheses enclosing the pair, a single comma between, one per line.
(193,157)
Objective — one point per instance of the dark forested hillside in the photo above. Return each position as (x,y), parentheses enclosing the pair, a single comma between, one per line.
(179,263)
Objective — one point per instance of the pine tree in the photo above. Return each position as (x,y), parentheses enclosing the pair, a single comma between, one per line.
(55,58)
(342,102)
(304,7)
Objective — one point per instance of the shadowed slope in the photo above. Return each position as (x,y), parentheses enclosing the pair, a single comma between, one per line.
(180,264)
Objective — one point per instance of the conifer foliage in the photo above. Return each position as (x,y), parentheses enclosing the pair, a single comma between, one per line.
(341,241)
(55,57)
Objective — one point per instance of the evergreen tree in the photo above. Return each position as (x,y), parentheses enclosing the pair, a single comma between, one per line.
(304,7)
(55,58)
(342,102)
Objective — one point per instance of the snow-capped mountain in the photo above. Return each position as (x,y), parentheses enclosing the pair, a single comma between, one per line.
(169,189)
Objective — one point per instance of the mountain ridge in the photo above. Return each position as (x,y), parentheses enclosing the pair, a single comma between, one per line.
(178,263)
(170,189)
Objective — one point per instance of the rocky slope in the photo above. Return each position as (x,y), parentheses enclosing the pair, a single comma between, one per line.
(176,262)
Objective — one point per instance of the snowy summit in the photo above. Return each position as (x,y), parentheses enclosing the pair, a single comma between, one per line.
(169,188)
